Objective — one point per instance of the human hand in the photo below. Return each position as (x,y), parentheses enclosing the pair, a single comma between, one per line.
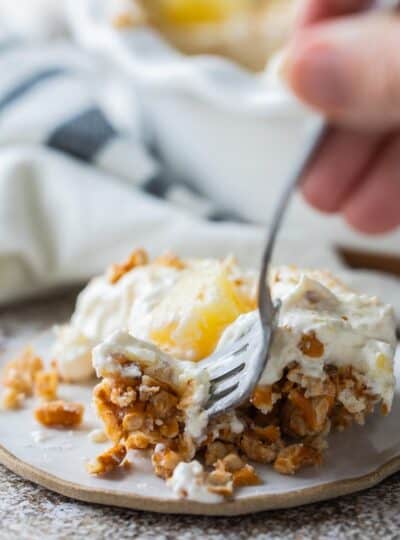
(349,69)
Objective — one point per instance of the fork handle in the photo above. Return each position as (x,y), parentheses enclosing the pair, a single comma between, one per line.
(266,305)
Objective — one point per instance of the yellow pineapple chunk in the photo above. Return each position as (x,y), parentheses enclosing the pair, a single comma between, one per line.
(190,321)
(199,11)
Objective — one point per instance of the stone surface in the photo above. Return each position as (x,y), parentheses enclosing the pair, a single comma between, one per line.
(28,512)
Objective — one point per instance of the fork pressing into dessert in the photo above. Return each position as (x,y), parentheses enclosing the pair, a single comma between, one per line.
(235,370)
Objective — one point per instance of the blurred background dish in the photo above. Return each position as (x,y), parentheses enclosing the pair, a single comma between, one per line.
(247,31)
(223,132)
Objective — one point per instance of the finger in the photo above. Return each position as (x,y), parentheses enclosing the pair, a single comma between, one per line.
(375,206)
(349,69)
(338,168)
(314,11)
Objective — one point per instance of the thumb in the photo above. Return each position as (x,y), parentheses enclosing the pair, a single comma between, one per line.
(349,69)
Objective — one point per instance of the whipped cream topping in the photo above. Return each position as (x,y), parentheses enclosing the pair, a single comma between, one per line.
(73,352)
(187,483)
(102,308)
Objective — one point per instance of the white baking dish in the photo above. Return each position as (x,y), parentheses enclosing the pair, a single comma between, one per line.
(231,134)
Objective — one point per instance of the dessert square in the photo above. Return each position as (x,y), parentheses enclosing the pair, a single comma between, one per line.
(330,365)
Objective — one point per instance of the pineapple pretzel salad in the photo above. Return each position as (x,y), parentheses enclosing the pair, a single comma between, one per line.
(142,327)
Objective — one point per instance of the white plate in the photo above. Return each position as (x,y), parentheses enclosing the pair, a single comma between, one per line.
(357,459)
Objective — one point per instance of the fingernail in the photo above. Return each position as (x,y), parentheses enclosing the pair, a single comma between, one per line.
(319,76)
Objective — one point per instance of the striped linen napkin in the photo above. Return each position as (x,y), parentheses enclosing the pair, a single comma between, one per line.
(78,187)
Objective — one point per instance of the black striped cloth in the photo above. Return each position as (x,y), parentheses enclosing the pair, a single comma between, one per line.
(57,96)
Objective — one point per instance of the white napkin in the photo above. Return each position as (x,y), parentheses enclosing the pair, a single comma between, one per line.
(62,221)
(40,19)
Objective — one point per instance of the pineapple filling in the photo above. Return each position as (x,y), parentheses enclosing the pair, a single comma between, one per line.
(190,320)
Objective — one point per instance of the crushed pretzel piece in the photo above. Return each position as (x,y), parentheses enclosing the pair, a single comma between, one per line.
(170,428)
(311,346)
(138,257)
(132,421)
(295,456)
(217,450)
(232,463)
(11,399)
(108,461)
(123,397)
(220,481)
(20,372)
(137,441)
(171,260)
(162,405)
(106,411)
(262,398)
(269,433)
(46,385)
(223,490)
(256,449)
(59,414)
(164,461)
(246,476)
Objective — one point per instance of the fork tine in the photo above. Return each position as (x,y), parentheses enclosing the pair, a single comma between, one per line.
(220,387)
(221,369)
(223,392)
(228,374)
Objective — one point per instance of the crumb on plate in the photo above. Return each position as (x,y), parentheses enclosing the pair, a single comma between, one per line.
(46,385)
(107,461)
(11,399)
(59,414)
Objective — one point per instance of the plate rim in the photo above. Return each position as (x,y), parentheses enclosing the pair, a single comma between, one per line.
(247,505)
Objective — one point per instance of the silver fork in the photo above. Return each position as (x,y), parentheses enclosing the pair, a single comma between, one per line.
(235,371)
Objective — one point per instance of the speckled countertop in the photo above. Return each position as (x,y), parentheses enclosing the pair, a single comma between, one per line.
(28,512)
